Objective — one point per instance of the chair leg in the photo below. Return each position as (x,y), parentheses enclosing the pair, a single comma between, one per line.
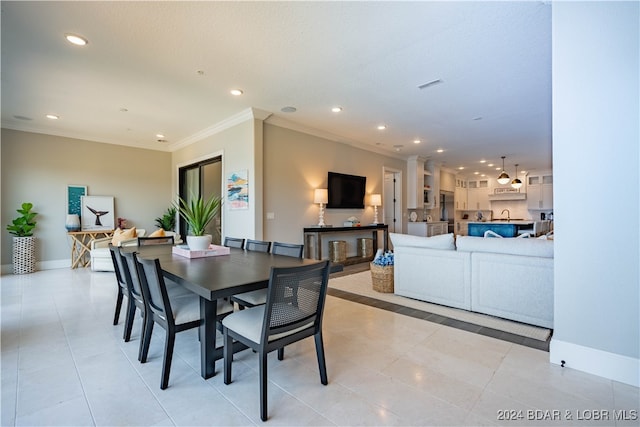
(281,353)
(322,365)
(228,355)
(128,321)
(116,316)
(263,386)
(168,356)
(146,340)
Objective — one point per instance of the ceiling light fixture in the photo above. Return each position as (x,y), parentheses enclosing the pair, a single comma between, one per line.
(382,127)
(416,141)
(429,84)
(503,178)
(52,116)
(159,135)
(439,150)
(76,39)
(516,183)
(336,109)
(288,109)
(236,92)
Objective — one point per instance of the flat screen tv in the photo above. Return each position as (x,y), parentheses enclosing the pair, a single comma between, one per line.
(345,191)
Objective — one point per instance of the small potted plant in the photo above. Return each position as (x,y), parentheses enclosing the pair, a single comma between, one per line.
(198,213)
(24,260)
(168,220)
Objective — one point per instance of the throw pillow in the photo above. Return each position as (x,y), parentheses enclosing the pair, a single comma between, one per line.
(158,233)
(122,235)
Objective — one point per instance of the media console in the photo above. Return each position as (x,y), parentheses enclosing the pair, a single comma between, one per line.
(313,237)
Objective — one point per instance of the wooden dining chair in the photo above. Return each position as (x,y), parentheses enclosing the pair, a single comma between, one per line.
(281,321)
(160,240)
(259,297)
(233,242)
(174,313)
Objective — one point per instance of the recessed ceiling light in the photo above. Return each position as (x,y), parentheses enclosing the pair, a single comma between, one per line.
(236,92)
(476,173)
(440,150)
(416,141)
(52,116)
(336,109)
(288,109)
(461,168)
(490,165)
(498,169)
(382,127)
(483,161)
(482,174)
(76,39)
(159,135)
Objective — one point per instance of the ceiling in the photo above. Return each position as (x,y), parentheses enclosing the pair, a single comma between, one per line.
(167,68)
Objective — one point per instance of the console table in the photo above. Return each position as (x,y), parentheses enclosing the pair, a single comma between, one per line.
(81,245)
(313,239)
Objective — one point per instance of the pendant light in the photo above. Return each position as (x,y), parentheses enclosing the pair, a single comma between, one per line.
(516,183)
(503,178)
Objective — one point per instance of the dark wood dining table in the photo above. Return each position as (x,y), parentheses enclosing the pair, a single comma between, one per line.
(217,277)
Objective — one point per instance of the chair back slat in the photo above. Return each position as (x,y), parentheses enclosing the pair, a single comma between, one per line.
(131,275)
(295,298)
(234,242)
(117,261)
(257,245)
(287,249)
(161,240)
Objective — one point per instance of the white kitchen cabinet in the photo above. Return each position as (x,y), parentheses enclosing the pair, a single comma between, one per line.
(540,191)
(427,229)
(478,194)
(422,184)
(460,197)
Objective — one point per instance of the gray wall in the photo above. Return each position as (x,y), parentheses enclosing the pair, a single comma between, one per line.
(37,168)
(595,143)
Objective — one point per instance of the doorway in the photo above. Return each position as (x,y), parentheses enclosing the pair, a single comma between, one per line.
(392,199)
(202,179)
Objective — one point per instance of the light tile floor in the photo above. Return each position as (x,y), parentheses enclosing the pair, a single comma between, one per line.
(64,363)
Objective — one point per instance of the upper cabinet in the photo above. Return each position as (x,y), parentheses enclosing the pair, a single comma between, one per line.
(423,180)
(540,191)
(478,194)
(460,195)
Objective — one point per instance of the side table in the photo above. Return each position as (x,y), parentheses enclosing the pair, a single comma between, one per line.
(81,245)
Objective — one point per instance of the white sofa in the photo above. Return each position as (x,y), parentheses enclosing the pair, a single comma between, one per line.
(508,278)
(100,256)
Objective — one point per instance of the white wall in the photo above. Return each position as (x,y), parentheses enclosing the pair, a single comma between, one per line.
(595,142)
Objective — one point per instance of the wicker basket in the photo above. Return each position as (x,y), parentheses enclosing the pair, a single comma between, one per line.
(382,278)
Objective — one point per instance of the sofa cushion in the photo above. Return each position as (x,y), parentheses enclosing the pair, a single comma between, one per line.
(511,246)
(443,241)
(158,233)
(121,235)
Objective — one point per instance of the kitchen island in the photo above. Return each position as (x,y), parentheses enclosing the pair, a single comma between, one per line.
(505,228)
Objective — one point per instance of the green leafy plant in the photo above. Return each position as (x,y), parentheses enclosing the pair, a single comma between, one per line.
(23,225)
(198,213)
(168,221)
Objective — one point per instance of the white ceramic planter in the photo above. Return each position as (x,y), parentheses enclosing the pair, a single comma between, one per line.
(199,243)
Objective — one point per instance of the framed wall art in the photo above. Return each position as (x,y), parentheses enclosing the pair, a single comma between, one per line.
(74,194)
(97,213)
(238,190)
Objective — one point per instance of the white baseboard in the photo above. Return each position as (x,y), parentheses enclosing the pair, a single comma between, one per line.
(614,366)
(41,265)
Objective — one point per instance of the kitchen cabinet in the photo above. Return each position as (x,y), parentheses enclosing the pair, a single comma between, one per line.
(423,179)
(460,195)
(478,194)
(427,229)
(540,191)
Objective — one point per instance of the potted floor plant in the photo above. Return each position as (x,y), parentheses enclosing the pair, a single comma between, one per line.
(168,220)
(198,213)
(24,244)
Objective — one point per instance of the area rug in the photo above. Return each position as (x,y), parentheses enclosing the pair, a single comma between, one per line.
(360,284)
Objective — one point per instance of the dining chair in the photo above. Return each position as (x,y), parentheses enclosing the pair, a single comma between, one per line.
(174,313)
(281,321)
(123,291)
(258,297)
(233,242)
(257,245)
(136,291)
(160,240)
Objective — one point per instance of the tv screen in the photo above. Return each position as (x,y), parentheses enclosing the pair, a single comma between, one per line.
(345,191)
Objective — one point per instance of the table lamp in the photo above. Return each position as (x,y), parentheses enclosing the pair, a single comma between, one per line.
(376,200)
(321,197)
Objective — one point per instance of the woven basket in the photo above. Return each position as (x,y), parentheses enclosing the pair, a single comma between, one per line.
(24,260)
(382,278)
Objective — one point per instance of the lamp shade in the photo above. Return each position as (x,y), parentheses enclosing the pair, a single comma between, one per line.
(376,200)
(320,196)
(503,178)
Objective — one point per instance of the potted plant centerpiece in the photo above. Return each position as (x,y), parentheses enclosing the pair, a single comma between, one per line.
(198,213)
(24,244)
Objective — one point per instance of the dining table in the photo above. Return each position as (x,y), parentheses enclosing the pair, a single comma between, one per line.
(216,277)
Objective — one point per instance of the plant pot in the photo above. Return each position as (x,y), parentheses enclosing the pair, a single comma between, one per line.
(24,255)
(199,243)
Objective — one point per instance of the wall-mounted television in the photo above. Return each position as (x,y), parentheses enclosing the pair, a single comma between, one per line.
(345,191)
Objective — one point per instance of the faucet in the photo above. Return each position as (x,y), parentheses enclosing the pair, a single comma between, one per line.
(508,214)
